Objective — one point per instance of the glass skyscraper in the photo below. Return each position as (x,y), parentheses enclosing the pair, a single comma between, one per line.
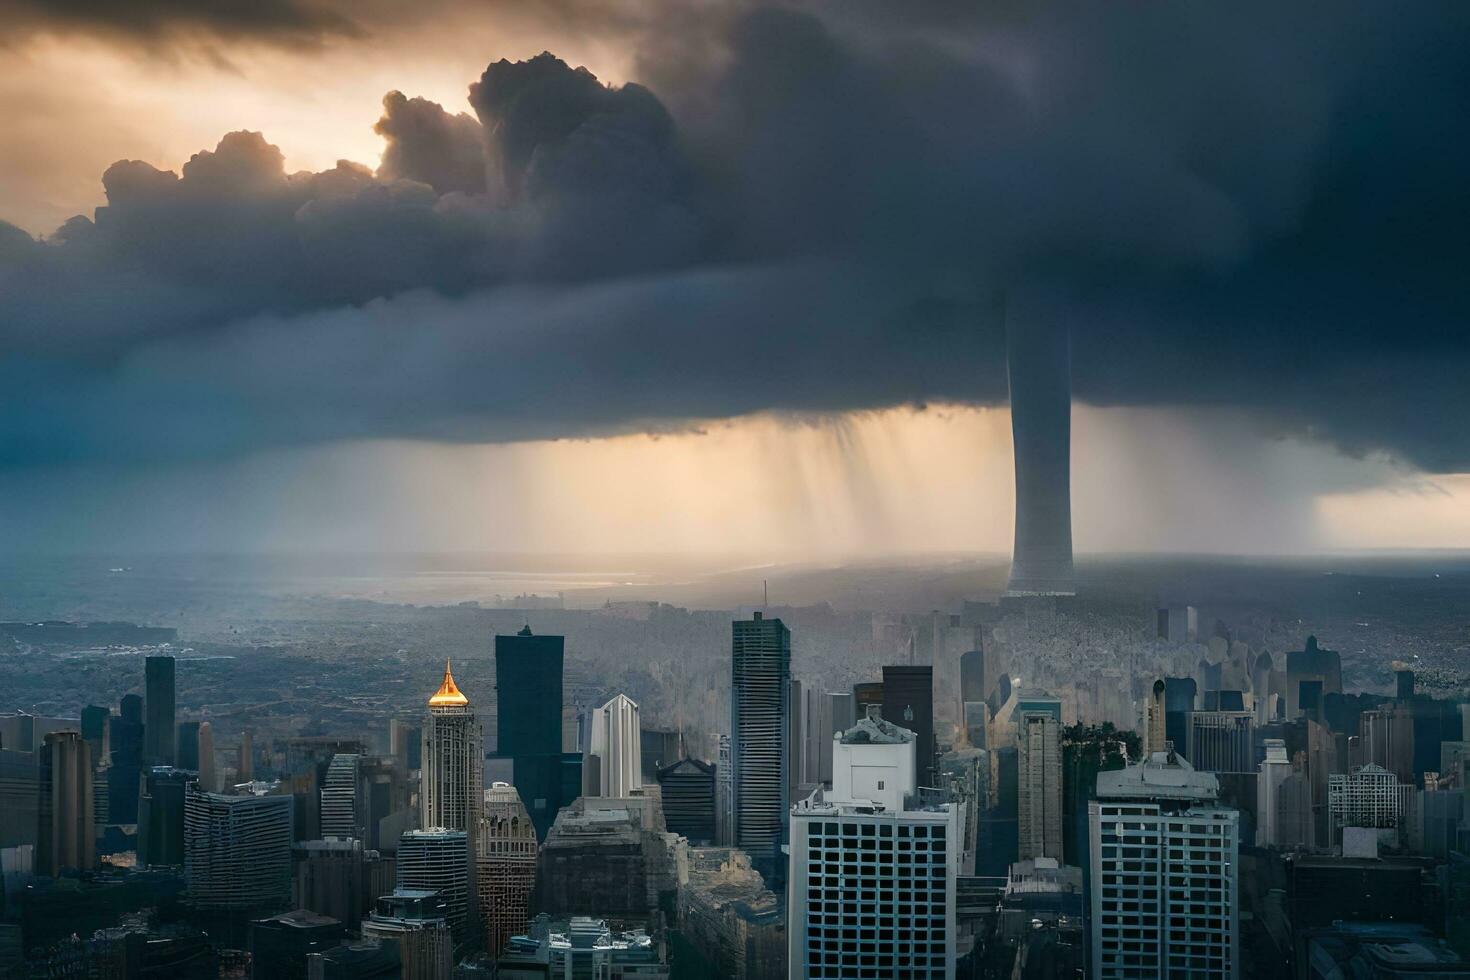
(760,713)
(528,689)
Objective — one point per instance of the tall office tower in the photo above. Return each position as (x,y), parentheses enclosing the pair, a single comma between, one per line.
(865,695)
(1222,741)
(95,724)
(1039,786)
(344,803)
(1275,769)
(1039,368)
(237,851)
(725,794)
(760,720)
(161,816)
(67,830)
(1165,865)
(186,750)
(158,700)
(439,861)
(20,798)
(1296,825)
(908,700)
(126,772)
(874,865)
(973,686)
(688,790)
(528,691)
(454,762)
(840,717)
(1179,695)
(507,865)
(1311,663)
(1154,715)
(208,781)
(795,739)
(614,762)
(416,922)
(245,770)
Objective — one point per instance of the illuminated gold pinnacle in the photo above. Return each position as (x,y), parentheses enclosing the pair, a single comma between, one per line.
(449,694)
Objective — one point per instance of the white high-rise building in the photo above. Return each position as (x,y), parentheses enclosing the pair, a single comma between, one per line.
(343,810)
(614,761)
(873,866)
(1165,873)
(1275,770)
(237,850)
(1039,785)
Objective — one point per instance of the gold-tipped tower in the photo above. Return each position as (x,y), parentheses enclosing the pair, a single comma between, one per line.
(449,695)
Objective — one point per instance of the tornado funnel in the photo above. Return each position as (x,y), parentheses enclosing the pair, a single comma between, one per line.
(1039,368)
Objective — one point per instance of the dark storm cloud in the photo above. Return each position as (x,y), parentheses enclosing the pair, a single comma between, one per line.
(1259,206)
(281,21)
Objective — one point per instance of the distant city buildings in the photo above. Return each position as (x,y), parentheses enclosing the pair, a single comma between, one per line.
(689,790)
(67,823)
(1164,875)
(438,860)
(416,921)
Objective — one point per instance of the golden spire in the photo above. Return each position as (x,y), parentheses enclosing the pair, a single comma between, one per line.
(449,694)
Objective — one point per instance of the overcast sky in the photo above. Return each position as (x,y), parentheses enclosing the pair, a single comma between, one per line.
(309,266)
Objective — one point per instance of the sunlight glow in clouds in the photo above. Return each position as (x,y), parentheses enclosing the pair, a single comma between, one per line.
(862,484)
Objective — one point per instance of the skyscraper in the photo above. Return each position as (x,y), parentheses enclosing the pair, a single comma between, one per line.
(207,779)
(908,701)
(237,851)
(795,739)
(344,803)
(95,725)
(1154,732)
(1165,866)
(874,865)
(507,865)
(67,835)
(454,761)
(760,718)
(1222,741)
(186,753)
(1039,369)
(725,793)
(161,816)
(126,772)
(528,690)
(439,861)
(1275,769)
(158,728)
(614,760)
(1039,786)
(415,921)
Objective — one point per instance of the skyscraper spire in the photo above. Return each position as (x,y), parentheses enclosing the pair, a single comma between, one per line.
(449,694)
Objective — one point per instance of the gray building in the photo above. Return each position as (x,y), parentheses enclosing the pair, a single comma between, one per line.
(760,721)
(237,851)
(1164,873)
(158,700)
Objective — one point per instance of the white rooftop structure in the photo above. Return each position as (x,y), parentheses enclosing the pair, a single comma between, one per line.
(1162,776)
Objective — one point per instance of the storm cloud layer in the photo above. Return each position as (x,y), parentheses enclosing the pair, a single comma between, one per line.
(820,209)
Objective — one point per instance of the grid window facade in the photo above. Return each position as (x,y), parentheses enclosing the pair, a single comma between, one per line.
(1164,887)
(875,892)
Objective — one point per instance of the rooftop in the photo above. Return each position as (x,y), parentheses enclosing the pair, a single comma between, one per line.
(1162,776)
(873,730)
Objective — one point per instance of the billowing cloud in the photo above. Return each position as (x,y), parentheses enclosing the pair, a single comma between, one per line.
(1259,207)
